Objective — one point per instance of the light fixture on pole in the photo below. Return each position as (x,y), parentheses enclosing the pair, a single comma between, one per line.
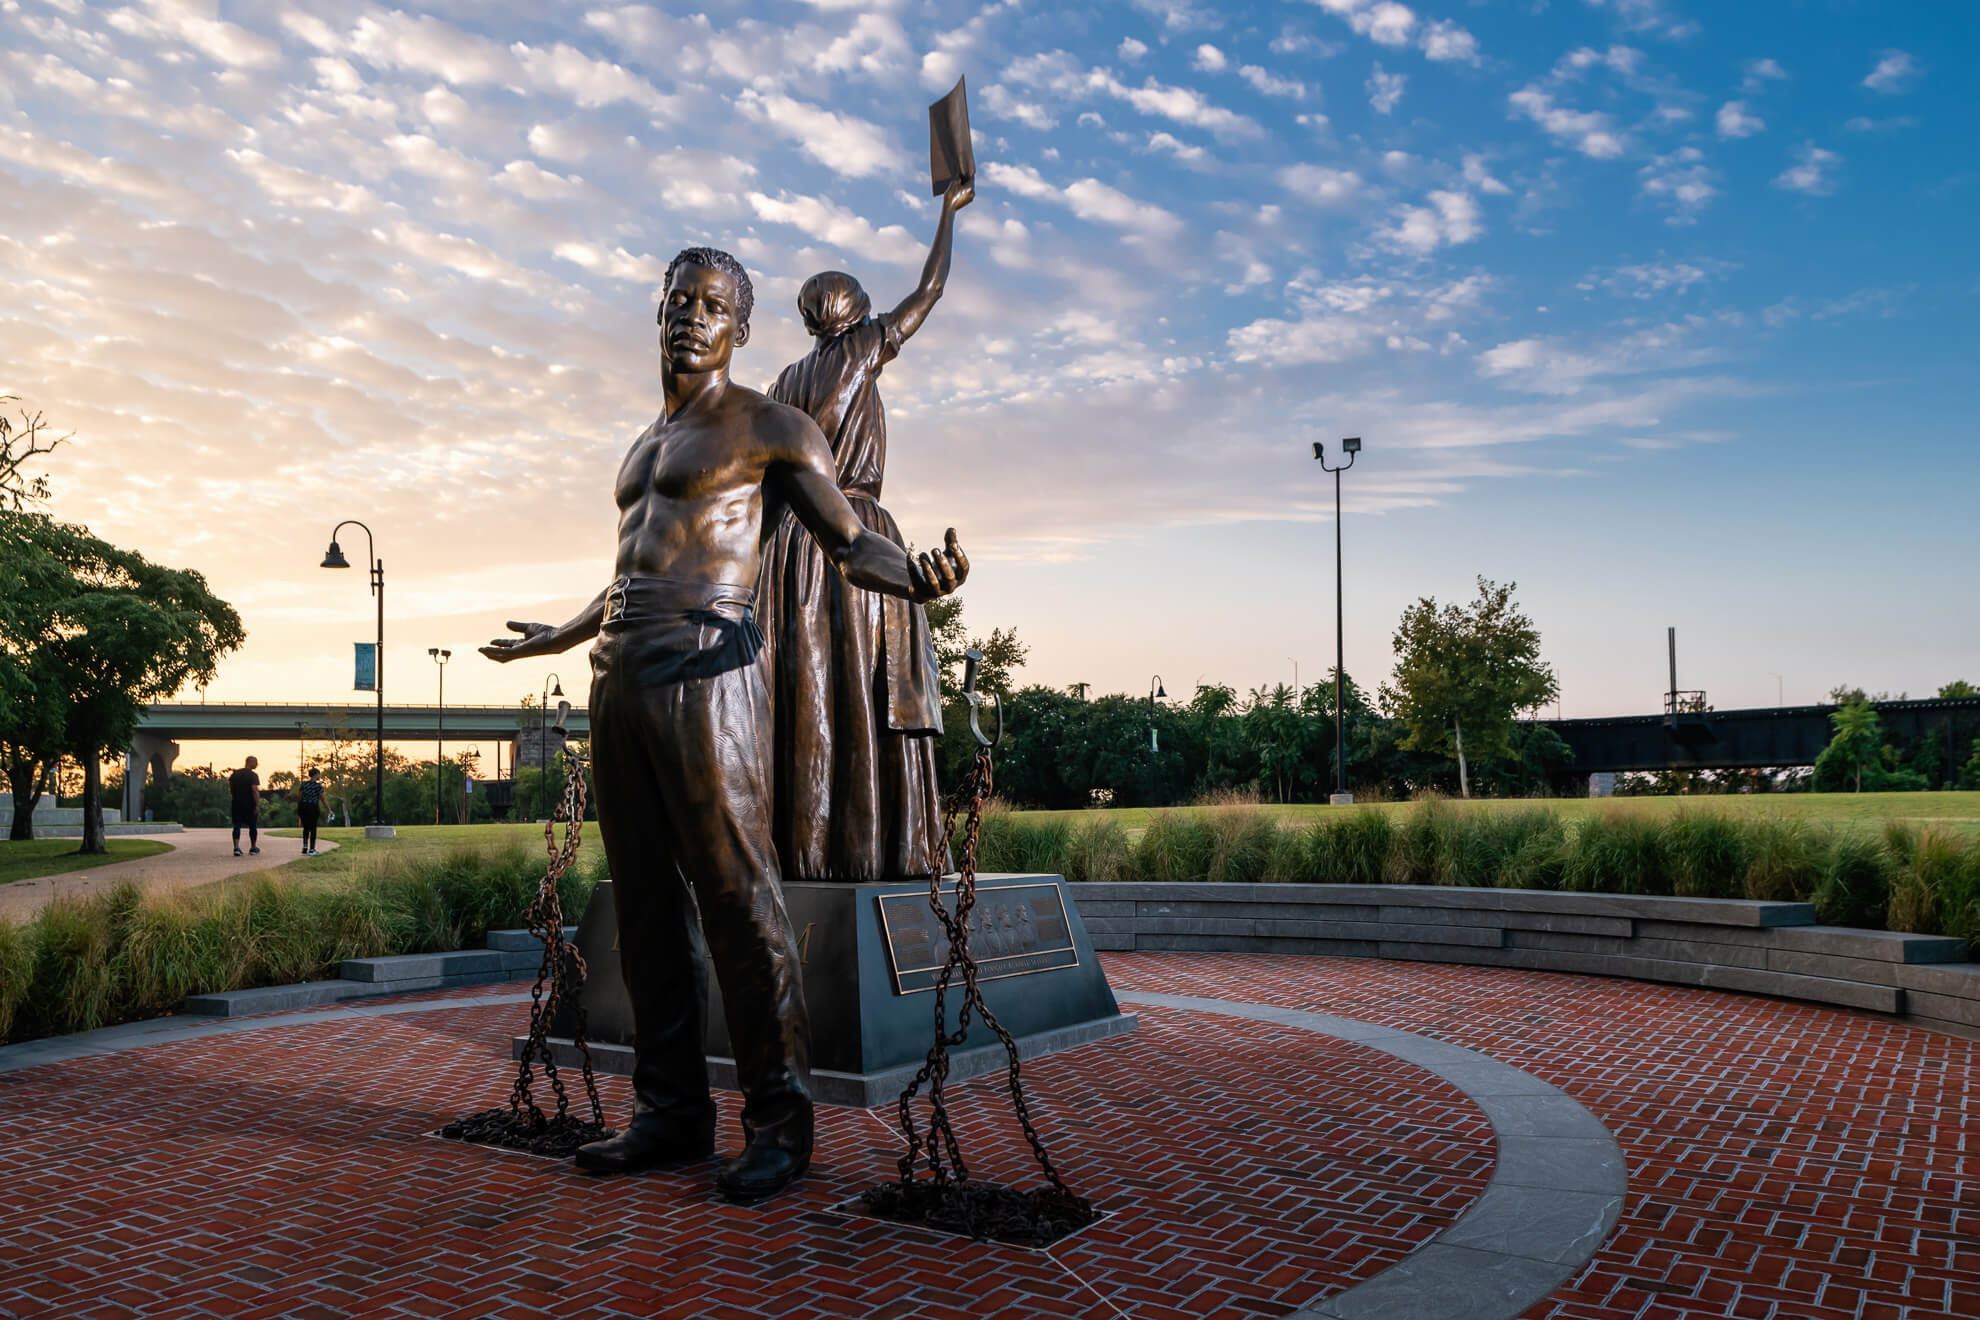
(543,736)
(334,558)
(1155,692)
(440,658)
(1341,797)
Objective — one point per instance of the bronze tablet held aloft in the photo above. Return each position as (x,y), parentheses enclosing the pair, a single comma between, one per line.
(951,155)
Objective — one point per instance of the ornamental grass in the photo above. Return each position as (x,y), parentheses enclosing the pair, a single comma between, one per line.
(1907,878)
(123,956)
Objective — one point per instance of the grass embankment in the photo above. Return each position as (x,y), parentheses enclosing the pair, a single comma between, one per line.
(29,859)
(1907,877)
(124,956)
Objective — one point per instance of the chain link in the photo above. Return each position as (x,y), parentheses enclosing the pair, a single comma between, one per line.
(524,1125)
(950,1198)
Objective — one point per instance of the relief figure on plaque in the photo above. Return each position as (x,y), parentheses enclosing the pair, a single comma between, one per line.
(679,722)
(856,704)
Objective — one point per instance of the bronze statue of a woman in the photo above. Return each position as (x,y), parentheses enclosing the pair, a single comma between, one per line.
(855,699)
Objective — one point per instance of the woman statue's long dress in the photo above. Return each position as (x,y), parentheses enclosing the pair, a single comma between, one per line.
(856,705)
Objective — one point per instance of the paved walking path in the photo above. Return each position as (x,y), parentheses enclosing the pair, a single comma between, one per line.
(197,857)
(1281,1137)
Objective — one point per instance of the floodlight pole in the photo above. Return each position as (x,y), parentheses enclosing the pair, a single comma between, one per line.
(335,559)
(1352,445)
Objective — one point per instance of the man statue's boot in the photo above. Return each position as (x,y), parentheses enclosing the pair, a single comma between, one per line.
(650,1141)
(775,1155)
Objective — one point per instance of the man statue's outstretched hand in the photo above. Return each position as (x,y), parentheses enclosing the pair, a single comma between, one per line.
(939,572)
(535,640)
(960,193)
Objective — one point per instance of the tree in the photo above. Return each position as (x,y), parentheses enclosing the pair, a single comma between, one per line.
(1277,731)
(112,630)
(33,706)
(1958,689)
(1003,653)
(1856,743)
(1467,672)
(20,444)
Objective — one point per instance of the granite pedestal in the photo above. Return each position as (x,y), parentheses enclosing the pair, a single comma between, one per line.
(870,954)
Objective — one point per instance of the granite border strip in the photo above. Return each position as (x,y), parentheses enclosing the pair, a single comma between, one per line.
(1556,1191)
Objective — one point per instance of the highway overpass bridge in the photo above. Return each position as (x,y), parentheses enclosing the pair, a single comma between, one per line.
(156,744)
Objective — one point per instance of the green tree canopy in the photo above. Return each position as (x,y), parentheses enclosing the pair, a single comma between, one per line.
(1003,653)
(1463,673)
(1855,746)
(104,631)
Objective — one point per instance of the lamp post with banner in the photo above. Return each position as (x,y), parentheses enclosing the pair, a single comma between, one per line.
(334,558)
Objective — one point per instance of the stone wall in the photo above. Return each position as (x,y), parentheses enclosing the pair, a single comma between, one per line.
(1726,944)
(47,813)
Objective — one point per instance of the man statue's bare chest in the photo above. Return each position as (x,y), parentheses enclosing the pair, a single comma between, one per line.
(687,461)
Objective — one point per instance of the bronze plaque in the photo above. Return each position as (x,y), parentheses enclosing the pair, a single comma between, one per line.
(1014,930)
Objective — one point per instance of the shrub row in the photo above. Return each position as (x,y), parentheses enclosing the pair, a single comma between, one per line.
(1909,879)
(123,956)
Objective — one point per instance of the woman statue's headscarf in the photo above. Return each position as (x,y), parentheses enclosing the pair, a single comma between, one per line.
(831,303)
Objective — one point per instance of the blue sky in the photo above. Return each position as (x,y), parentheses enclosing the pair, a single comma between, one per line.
(1665,311)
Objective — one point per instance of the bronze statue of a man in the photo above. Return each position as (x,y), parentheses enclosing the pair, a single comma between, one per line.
(855,699)
(678,721)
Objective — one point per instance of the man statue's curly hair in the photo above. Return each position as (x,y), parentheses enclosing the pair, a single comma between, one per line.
(716,259)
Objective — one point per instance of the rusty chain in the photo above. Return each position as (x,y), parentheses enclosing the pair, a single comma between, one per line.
(523,1125)
(949,1198)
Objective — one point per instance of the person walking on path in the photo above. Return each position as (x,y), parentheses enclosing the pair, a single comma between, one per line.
(309,808)
(855,699)
(244,785)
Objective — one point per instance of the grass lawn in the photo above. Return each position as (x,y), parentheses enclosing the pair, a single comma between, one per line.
(38,857)
(1865,810)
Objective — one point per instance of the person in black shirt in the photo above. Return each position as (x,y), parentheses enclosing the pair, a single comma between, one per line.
(309,808)
(243,784)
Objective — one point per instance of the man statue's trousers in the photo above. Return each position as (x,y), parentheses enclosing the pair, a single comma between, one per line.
(678,710)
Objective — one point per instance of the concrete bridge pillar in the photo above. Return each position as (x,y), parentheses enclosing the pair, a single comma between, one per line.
(149,751)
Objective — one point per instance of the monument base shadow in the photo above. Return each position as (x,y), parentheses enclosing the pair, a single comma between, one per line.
(870,954)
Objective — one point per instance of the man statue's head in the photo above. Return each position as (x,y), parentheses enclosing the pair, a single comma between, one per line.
(704,310)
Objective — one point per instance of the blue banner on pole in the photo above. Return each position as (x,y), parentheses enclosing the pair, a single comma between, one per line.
(367,667)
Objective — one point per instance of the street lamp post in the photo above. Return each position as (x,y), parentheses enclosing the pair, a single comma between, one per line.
(1155,691)
(1352,445)
(543,737)
(440,658)
(334,558)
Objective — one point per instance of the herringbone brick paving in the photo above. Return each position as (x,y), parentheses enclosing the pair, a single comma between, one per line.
(1786,1160)
(1248,1168)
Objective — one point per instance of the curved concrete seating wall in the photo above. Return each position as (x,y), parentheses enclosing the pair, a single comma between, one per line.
(1727,944)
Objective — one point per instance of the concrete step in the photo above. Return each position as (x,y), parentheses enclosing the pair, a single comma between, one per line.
(521,941)
(510,953)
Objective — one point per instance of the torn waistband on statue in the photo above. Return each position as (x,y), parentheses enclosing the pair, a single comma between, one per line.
(660,630)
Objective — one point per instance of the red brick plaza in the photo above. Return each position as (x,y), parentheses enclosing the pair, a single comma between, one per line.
(1782,1160)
